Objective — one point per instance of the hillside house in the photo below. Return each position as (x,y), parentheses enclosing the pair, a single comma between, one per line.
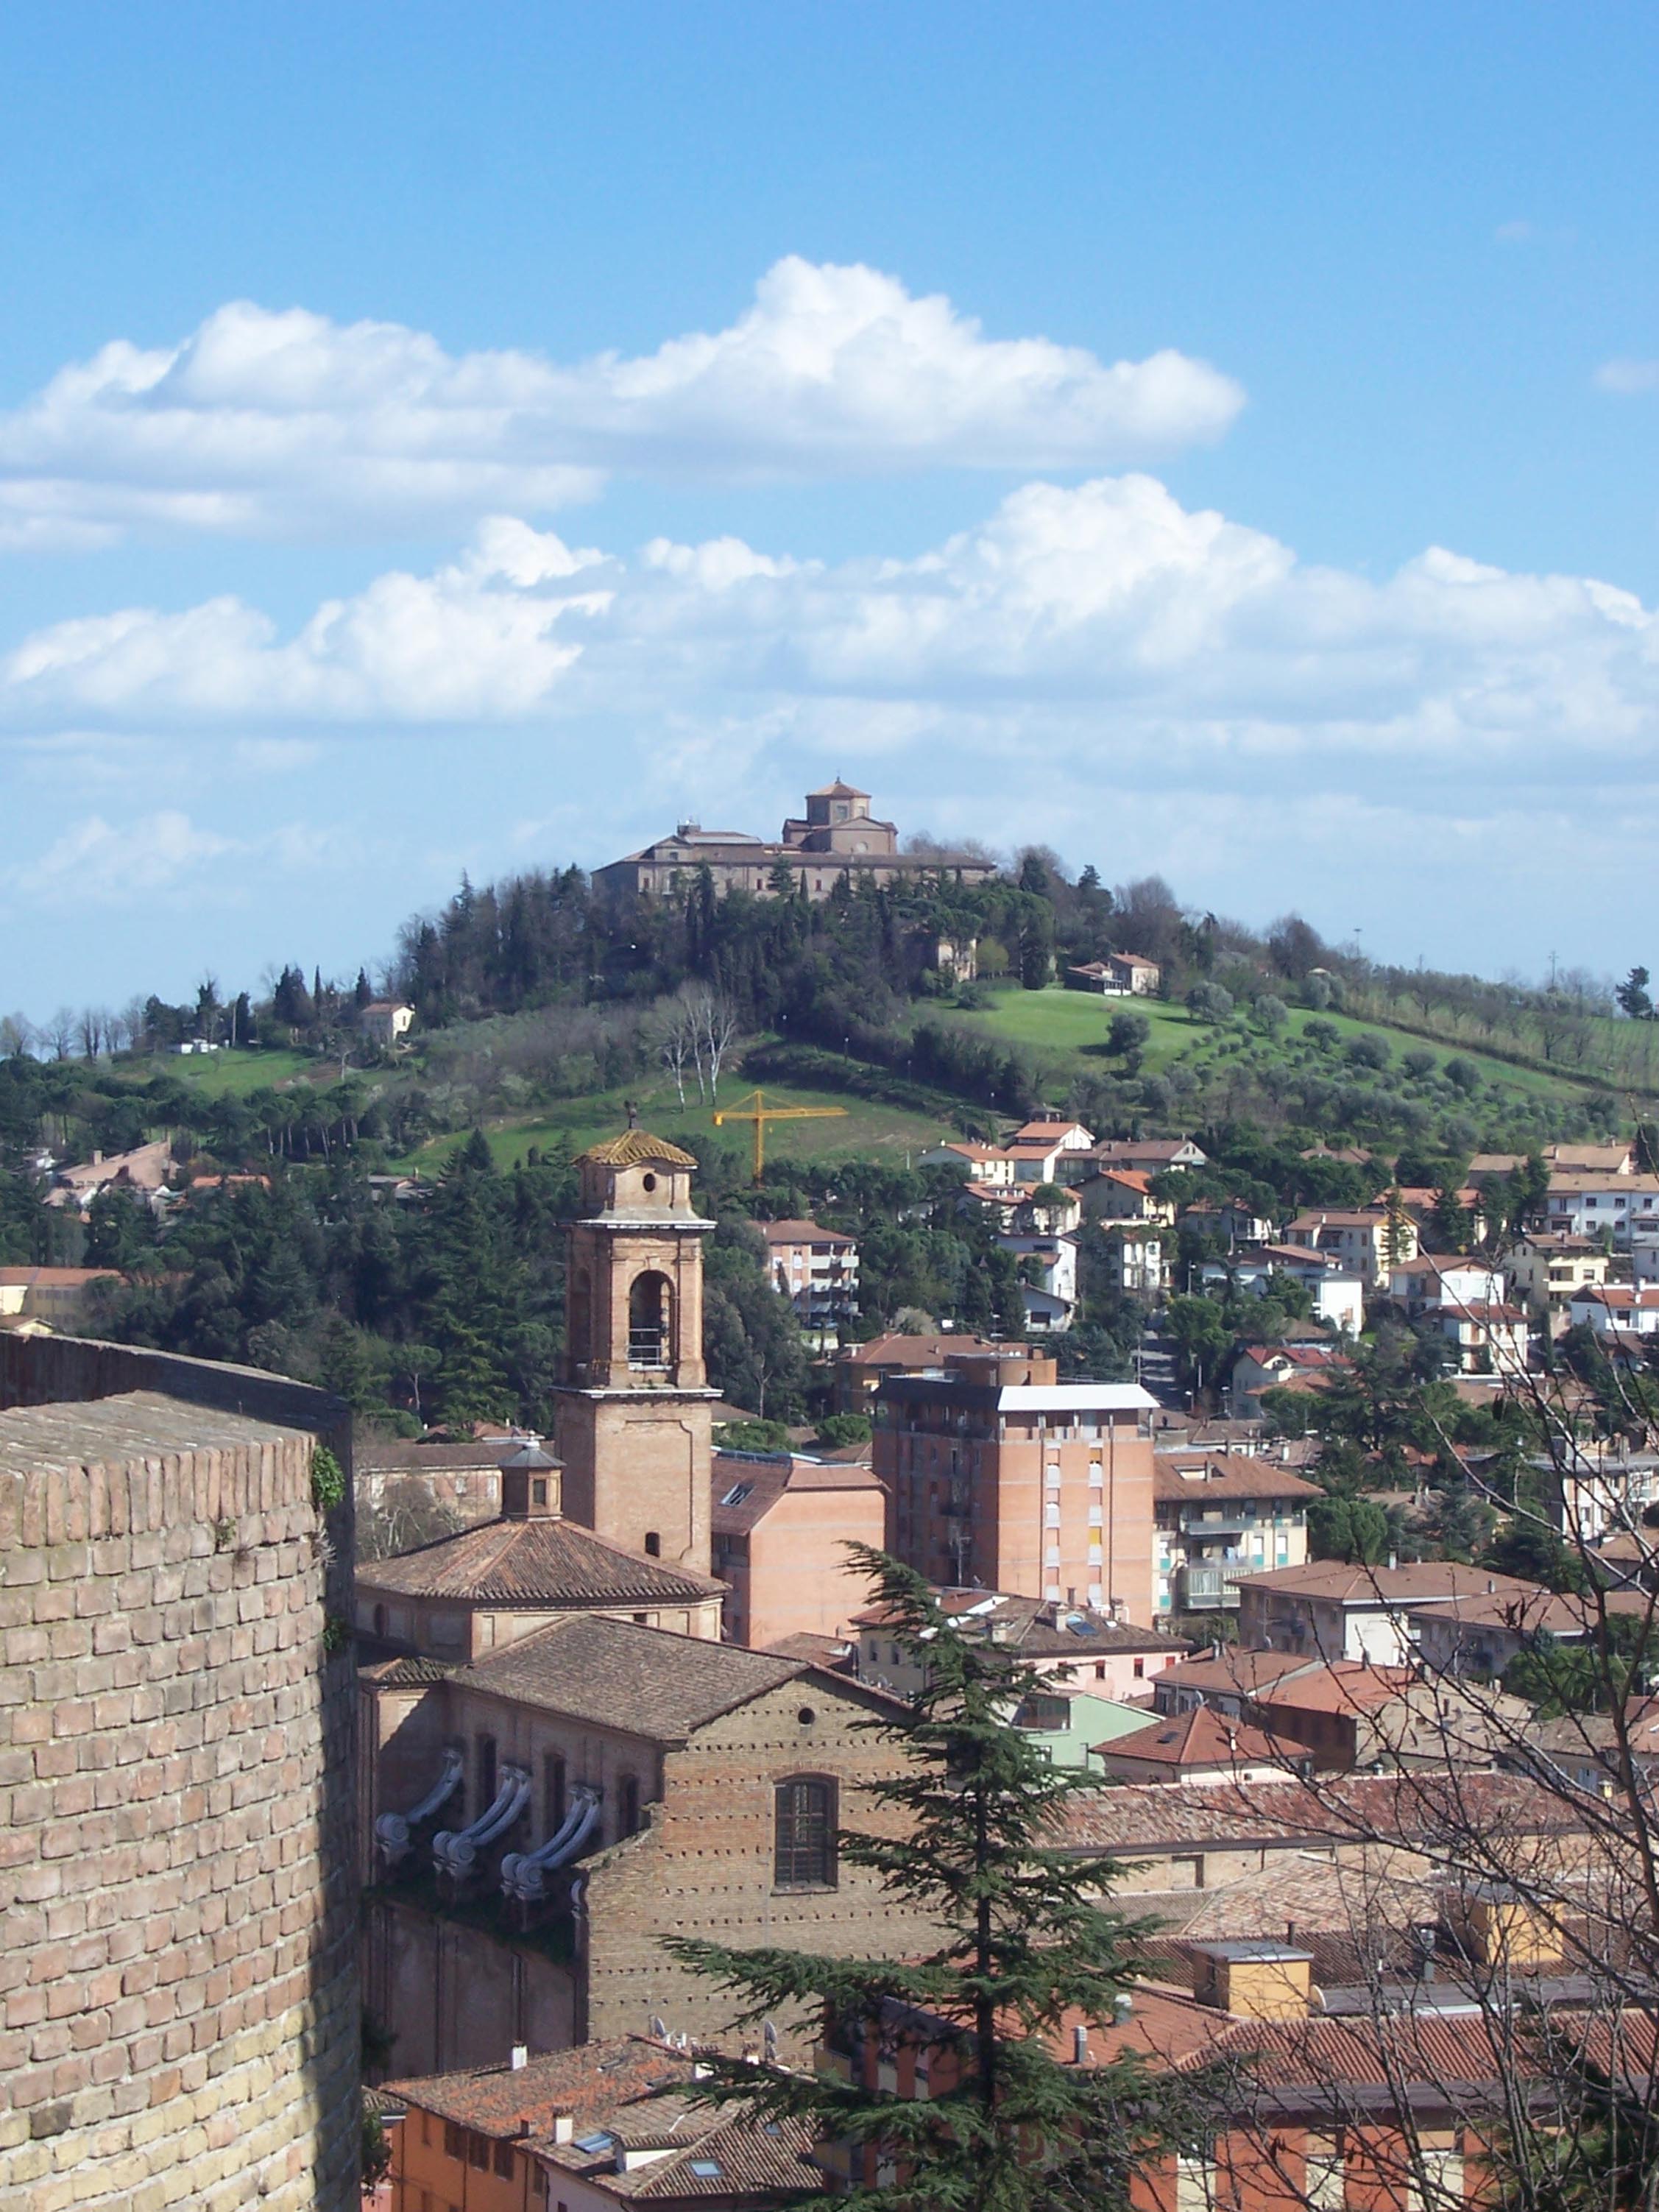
(1615,1308)
(816,1269)
(1338,1297)
(385,1022)
(1601,1204)
(1369,1241)
(1545,1268)
(1261,1367)
(1146,1155)
(1124,1194)
(1119,975)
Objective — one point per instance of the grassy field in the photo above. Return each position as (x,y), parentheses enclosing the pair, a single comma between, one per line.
(864,1129)
(1070,1026)
(227,1073)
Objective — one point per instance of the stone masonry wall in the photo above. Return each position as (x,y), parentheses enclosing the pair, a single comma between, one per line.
(178,1999)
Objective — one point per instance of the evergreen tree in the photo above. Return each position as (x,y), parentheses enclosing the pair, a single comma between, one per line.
(1021,1949)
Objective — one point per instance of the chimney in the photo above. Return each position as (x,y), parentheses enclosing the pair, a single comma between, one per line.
(1079,2047)
(564,2127)
(1394,1561)
(520,2057)
(1123,2006)
(1255,1980)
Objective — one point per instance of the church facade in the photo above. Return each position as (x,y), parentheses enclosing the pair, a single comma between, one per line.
(836,836)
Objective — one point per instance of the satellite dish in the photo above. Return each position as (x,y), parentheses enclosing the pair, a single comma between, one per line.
(659,2028)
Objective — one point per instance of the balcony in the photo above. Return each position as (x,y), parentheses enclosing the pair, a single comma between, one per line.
(1201,1524)
(1202,1589)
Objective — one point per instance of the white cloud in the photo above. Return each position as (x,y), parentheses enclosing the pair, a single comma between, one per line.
(1150,635)
(263,422)
(95,862)
(1628,378)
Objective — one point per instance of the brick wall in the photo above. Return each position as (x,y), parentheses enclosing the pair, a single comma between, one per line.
(177,1988)
(704,1866)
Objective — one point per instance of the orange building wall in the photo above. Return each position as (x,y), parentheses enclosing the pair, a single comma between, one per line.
(426,2178)
(799,1580)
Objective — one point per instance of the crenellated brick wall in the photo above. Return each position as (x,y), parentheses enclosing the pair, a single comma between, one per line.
(178,1999)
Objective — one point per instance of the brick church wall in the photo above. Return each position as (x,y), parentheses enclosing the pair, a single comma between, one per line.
(178,1997)
(704,1866)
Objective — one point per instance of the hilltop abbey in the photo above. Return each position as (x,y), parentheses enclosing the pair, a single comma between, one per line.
(837,837)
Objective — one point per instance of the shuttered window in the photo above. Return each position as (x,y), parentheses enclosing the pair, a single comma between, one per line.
(805,1854)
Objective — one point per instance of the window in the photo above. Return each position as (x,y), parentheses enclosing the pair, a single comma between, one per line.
(648,1302)
(804,1855)
(479,2152)
(504,2160)
(1139,1669)
(379,1621)
(486,1770)
(552,1793)
(628,1815)
(539,1490)
(652,1544)
(454,2141)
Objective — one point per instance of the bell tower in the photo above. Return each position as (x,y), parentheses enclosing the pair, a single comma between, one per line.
(633,1409)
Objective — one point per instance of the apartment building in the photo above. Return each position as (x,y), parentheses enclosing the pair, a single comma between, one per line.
(816,1269)
(996,1473)
(1220,1515)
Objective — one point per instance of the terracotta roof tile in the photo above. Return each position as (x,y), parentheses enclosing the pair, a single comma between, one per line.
(634,1146)
(613,1674)
(544,1560)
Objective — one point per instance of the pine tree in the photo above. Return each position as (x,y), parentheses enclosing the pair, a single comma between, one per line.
(1025,1949)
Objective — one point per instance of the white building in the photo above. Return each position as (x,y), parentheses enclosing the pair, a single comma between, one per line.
(384,1021)
(1434,1280)
(1585,1205)
(1050,1300)
(1337,1294)
(1616,1309)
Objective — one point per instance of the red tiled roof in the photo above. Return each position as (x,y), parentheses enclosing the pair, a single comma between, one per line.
(1226,1475)
(544,1560)
(1200,1738)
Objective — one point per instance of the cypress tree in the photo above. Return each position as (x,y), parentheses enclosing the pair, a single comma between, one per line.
(1022,1949)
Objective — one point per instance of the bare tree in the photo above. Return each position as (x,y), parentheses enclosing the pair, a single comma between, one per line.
(678,1046)
(716,1032)
(17,1035)
(59,1033)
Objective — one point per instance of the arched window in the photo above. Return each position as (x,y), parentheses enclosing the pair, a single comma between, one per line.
(649,1301)
(804,1851)
(652,1544)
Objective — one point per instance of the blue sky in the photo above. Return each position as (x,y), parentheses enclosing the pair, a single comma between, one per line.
(1209,441)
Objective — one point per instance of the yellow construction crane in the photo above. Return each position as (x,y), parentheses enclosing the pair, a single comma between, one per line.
(755,1109)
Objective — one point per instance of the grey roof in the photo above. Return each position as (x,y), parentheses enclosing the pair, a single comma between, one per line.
(647,1681)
